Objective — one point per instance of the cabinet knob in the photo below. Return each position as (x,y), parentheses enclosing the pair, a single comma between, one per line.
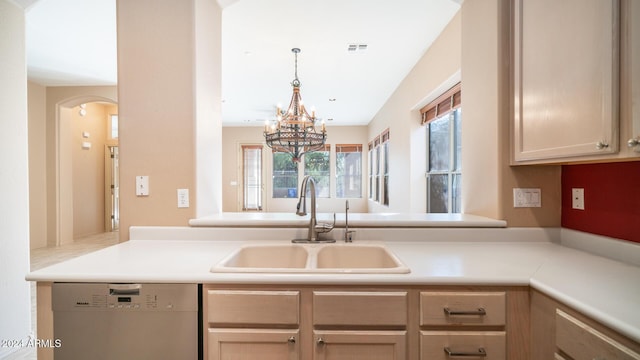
(292,340)
(633,142)
(320,341)
(602,145)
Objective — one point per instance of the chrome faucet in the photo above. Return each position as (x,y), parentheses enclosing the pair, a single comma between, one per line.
(348,234)
(301,210)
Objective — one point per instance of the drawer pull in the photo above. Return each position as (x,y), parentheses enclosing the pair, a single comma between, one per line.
(479,311)
(481,352)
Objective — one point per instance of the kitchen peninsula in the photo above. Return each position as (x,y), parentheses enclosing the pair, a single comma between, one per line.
(525,266)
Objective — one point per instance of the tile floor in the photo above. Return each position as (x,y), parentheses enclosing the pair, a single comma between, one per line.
(43,257)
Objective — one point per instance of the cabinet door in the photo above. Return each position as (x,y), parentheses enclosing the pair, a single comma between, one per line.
(370,345)
(566,81)
(251,344)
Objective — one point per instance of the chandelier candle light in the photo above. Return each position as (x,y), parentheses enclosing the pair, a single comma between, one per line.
(294,131)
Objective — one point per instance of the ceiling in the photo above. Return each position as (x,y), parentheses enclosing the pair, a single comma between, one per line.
(73,43)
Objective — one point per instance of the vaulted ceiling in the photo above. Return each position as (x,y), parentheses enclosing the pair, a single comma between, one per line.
(73,42)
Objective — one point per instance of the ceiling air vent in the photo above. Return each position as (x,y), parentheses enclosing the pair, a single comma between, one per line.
(356,48)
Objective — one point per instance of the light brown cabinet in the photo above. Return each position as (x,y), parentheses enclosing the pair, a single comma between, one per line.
(576,66)
(252,324)
(463,324)
(362,324)
(379,323)
(559,332)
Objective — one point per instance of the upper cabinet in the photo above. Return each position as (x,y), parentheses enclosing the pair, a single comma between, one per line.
(573,95)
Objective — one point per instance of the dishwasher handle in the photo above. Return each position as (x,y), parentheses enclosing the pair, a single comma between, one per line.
(124,289)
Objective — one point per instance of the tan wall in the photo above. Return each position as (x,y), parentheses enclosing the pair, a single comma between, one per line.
(486,125)
(474,47)
(59,153)
(88,169)
(235,137)
(440,65)
(37,165)
(163,70)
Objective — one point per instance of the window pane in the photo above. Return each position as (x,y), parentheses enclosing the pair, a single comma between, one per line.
(439,144)
(456,192)
(457,138)
(317,165)
(252,178)
(376,171)
(438,193)
(348,175)
(370,174)
(285,176)
(385,180)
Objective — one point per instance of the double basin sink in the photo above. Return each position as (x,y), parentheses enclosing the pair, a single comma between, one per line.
(368,258)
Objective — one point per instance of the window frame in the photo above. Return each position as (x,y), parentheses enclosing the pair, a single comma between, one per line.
(449,104)
(356,175)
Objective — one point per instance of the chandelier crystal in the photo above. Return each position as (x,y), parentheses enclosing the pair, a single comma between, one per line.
(294,130)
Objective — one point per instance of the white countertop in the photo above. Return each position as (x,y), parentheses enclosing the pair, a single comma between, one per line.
(386,220)
(604,289)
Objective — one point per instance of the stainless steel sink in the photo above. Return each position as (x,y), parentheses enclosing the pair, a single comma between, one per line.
(352,258)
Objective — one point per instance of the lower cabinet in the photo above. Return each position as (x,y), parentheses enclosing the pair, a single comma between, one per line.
(361,322)
(561,333)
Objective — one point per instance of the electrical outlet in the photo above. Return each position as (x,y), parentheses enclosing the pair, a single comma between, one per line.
(183,198)
(577,198)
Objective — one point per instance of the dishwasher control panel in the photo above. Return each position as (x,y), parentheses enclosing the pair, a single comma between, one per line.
(123,297)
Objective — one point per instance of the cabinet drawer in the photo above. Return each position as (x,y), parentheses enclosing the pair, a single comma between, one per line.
(462,308)
(581,341)
(442,345)
(253,307)
(360,308)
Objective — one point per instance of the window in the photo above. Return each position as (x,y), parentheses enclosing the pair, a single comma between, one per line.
(113,126)
(349,171)
(444,171)
(252,177)
(385,168)
(317,165)
(285,176)
(379,168)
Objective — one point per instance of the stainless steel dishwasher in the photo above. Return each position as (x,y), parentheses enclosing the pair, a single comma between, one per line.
(126,321)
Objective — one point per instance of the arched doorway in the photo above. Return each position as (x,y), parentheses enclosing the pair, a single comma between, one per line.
(84,168)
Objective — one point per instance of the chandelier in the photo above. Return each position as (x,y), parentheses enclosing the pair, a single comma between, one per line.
(294,131)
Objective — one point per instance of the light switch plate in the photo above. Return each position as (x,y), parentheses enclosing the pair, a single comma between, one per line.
(183,198)
(577,198)
(527,197)
(142,185)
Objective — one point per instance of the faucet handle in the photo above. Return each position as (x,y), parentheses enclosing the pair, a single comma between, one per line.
(323,228)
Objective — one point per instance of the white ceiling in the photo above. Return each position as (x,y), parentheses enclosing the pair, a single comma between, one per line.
(73,42)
